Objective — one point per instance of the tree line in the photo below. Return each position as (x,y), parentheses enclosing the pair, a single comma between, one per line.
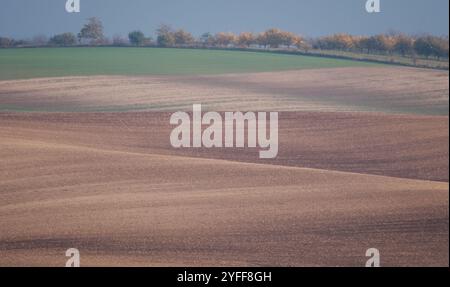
(385,44)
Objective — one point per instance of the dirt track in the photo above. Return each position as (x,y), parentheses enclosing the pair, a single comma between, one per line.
(110,185)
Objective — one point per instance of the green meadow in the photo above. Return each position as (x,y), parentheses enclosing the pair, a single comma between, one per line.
(28,63)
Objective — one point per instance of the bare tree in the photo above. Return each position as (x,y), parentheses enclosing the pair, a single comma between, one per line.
(183,38)
(246,39)
(404,45)
(223,39)
(92,32)
(165,35)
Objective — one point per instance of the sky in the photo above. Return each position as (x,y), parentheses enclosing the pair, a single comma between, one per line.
(28,18)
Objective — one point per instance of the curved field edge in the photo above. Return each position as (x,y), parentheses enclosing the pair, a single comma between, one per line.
(88,61)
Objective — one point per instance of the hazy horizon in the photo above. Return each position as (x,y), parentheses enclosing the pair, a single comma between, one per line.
(25,19)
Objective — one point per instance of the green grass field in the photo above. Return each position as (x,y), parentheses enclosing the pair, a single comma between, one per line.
(57,62)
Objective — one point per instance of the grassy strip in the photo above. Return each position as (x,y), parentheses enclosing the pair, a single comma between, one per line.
(84,61)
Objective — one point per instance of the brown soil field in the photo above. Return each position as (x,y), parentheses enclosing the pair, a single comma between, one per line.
(407,146)
(109,184)
(387,90)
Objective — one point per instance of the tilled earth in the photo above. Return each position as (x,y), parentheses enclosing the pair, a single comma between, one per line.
(365,169)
